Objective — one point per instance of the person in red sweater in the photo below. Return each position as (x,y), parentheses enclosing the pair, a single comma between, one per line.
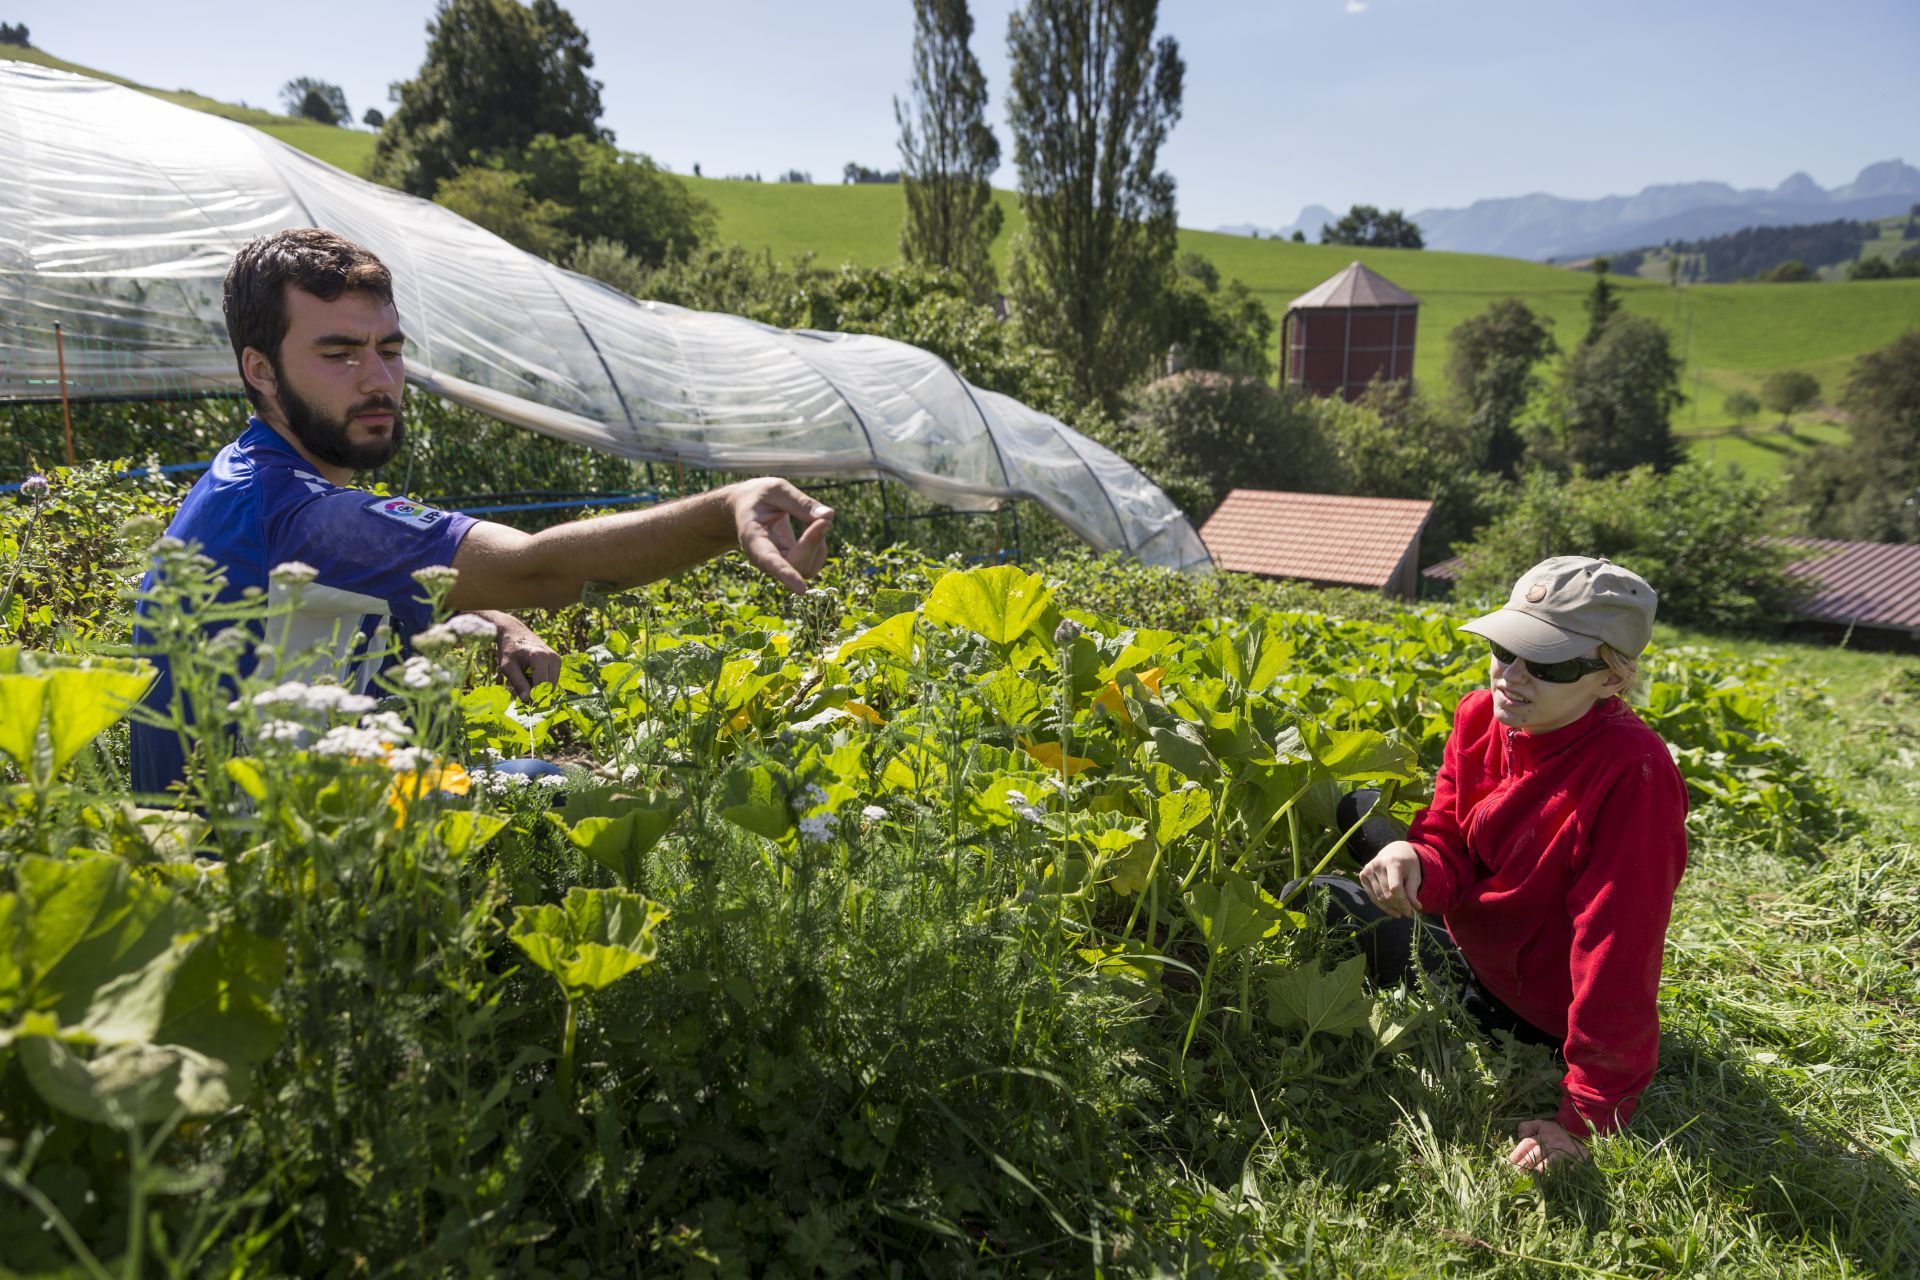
(1552,849)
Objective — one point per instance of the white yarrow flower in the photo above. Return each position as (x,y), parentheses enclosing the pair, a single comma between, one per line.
(1016,798)
(436,574)
(350,740)
(471,626)
(551,780)
(874,813)
(293,573)
(407,759)
(1031,812)
(387,723)
(281,731)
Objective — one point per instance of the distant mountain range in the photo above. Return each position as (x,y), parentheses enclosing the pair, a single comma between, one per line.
(1543,226)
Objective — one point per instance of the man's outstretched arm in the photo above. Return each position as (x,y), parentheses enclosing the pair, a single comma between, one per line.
(503,568)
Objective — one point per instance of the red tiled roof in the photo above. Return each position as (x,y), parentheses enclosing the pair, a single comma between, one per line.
(1869,584)
(1873,584)
(1321,537)
(1357,286)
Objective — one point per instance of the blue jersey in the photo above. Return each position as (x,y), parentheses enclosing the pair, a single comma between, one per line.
(262,505)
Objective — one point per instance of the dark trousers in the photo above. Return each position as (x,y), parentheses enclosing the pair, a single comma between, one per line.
(1393,946)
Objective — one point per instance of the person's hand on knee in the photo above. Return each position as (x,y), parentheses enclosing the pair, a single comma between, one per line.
(1392,879)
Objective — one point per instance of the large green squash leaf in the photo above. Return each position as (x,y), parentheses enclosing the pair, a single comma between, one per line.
(594,939)
(127,1084)
(90,923)
(1334,1003)
(1001,603)
(894,636)
(1236,912)
(1356,754)
(616,829)
(756,797)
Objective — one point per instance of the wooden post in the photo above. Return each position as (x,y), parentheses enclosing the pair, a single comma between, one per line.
(66,410)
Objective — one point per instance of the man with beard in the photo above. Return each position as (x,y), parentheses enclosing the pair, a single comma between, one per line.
(319,343)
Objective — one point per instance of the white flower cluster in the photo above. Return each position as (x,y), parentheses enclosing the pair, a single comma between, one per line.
(293,573)
(423,673)
(808,797)
(386,722)
(282,731)
(351,740)
(461,628)
(321,698)
(1017,801)
(818,829)
(874,813)
(36,488)
(436,575)
(502,784)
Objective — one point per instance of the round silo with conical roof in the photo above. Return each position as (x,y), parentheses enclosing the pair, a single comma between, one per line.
(1342,334)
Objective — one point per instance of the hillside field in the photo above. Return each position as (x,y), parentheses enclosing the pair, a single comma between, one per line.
(1730,336)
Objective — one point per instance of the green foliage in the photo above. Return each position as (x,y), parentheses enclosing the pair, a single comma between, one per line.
(1491,363)
(1603,303)
(1617,394)
(1201,434)
(947,152)
(501,201)
(1866,488)
(315,100)
(1394,444)
(496,75)
(1742,405)
(1789,391)
(599,191)
(66,559)
(1792,271)
(15,33)
(1224,329)
(1699,535)
(1368,226)
(1099,240)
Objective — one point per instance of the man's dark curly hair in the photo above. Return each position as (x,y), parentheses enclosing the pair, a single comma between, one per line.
(312,260)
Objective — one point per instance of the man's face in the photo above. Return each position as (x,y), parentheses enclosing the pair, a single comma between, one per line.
(341,377)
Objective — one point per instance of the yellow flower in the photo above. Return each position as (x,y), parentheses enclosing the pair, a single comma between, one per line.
(1049,754)
(414,784)
(1111,699)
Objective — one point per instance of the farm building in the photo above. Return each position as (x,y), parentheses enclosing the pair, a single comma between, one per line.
(1867,591)
(1346,331)
(1324,538)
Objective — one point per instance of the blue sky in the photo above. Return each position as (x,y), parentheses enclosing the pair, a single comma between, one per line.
(1400,103)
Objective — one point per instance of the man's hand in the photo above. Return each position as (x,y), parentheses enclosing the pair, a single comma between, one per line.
(1542,1142)
(525,660)
(763,515)
(1392,879)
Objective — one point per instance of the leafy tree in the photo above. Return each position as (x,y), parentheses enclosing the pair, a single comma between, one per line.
(1093,97)
(1366,226)
(796,175)
(947,152)
(1618,395)
(500,201)
(1221,328)
(1742,405)
(1200,434)
(1701,535)
(1491,363)
(604,192)
(496,75)
(374,118)
(856,173)
(1394,444)
(1602,302)
(1788,391)
(1870,269)
(1299,237)
(609,262)
(15,33)
(315,100)
(1869,487)
(1792,271)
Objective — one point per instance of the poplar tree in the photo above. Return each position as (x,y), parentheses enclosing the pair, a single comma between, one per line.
(947,152)
(1093,97)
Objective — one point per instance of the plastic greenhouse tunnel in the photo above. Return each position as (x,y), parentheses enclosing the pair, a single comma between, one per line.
(119,214)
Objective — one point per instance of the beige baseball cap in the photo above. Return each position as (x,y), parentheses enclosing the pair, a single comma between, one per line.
(1562,607)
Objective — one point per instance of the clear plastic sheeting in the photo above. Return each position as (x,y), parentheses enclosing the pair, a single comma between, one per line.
(119,214)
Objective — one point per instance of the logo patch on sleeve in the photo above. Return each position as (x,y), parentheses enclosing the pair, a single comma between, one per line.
(407,511)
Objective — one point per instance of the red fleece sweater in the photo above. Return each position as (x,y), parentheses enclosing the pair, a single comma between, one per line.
(1553,857)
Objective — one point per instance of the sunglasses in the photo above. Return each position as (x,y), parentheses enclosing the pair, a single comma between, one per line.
(1566,672)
